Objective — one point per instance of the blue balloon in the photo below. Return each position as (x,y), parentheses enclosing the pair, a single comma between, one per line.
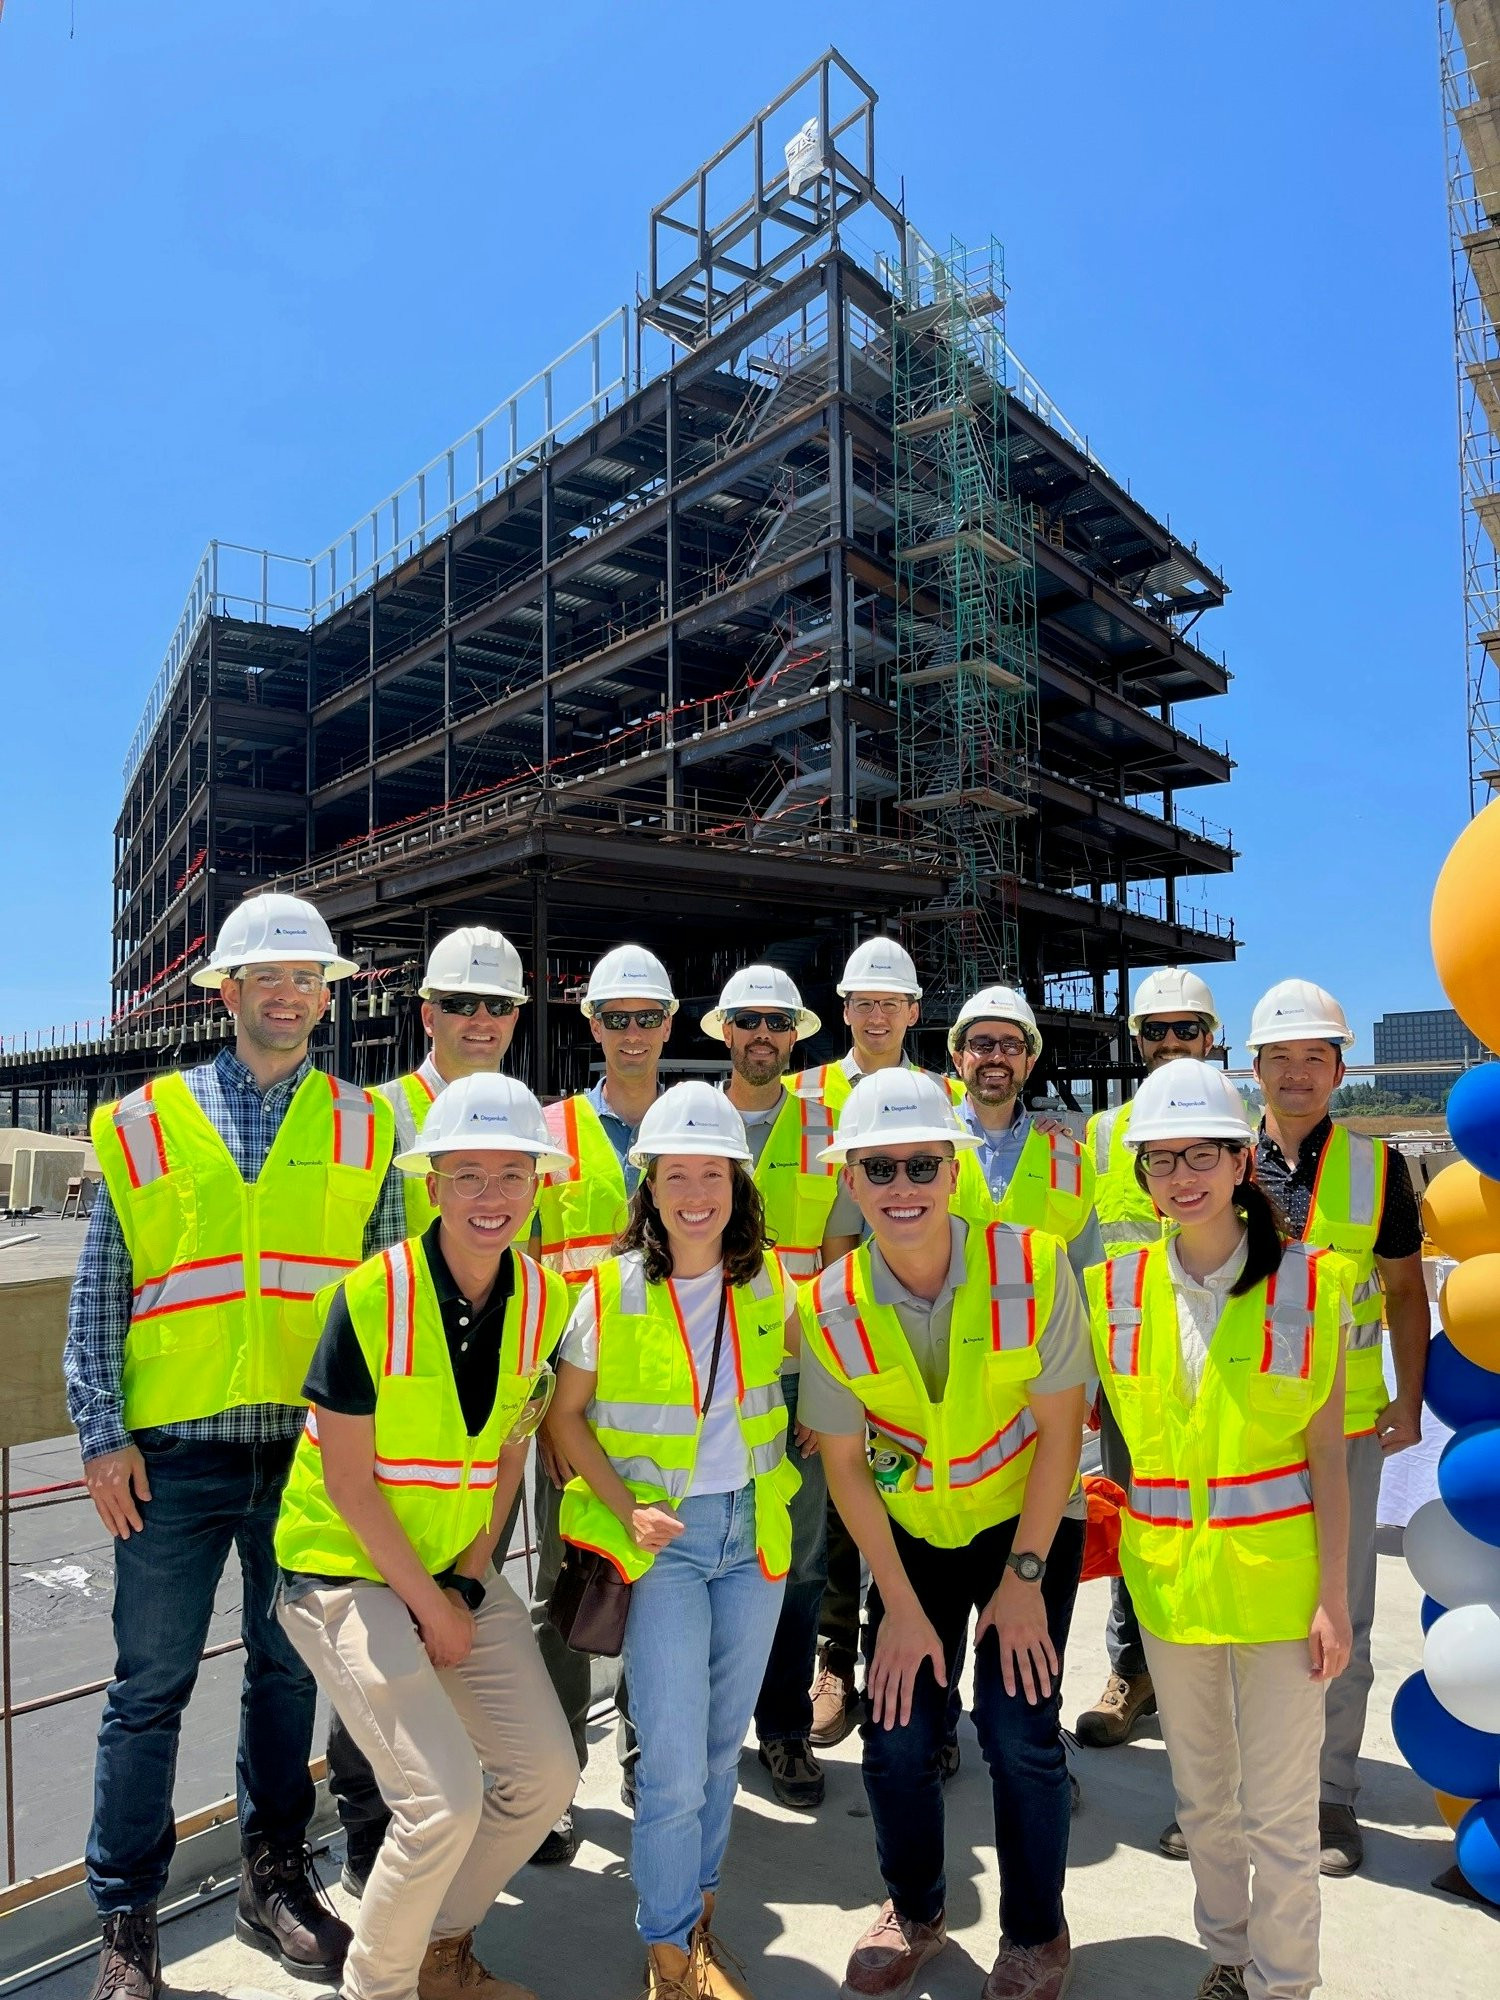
(1444,1752)
(1457,1391)
(1478,1848)
(1474,1117)
(1432,1611)
(1469,1480)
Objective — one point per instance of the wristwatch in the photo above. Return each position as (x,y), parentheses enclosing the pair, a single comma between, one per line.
(1028,1567)
(469,1588)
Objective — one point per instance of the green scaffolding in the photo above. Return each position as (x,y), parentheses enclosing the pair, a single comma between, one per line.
(966,661)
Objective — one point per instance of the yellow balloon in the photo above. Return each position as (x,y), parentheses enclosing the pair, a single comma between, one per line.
(1451,1808)
(1461,1211)
(1466,925)
(1469,1305)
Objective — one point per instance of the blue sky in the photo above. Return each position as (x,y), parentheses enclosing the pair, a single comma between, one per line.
(264,258)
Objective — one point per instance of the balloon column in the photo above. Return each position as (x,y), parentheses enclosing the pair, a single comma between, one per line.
(1446,1718)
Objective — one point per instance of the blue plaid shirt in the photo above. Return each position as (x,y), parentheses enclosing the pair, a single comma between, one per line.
(247,1120)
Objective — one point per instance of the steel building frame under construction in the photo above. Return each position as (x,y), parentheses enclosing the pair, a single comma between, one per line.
(782,608)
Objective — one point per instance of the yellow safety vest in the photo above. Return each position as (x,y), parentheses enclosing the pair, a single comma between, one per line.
(1128,1217)
(797,1189)
(582,1208)
(1218,1542)
(410,1098)
(225,1271)
(947,1469)
(647,1411)
(1052,1188)
(1344,1215)
(829,1083)
(440,1482)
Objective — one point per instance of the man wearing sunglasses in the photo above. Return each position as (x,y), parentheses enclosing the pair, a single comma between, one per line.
(1172,1016)
(811,1221)
(960,1350)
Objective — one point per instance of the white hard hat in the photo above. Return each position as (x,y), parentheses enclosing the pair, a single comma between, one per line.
(629,972)
(484,1114)
(898,1107)
(880,965)
(1297,1011)
(474,960)
(272,929)
(691,1118)
(1173,990)
(1188,1099)
(763,986)
(996,1003)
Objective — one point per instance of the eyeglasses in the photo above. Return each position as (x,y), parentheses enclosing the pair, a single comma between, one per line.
(471,1185)
(1158,1162)
(985,1046)
(774,1024)
(270,979)
(868,1003)
(618,1019)
(469,1004)
(1184,1031)
(880,1169)
(538,1401)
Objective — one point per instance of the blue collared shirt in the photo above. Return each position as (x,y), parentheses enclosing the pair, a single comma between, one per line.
(999,1155)
(247,1120)
(620,1135)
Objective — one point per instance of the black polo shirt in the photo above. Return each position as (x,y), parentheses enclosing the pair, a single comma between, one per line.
(1291,1188)
(339,1378)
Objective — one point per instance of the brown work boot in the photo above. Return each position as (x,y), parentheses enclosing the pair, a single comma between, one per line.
(450,1971)
(835,1707)
(721,1972)
(1031,1971)
(283,1909)
(129,1958)
(891,1954)
(1126,1698)
(671,1974)
(1222,1982)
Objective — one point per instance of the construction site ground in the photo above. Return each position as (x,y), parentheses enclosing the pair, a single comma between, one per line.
(799,1887)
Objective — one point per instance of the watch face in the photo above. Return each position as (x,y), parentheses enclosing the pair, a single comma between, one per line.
(1028,1567)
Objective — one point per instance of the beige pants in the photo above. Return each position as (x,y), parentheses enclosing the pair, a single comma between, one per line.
(475,1764)
(1243,1728)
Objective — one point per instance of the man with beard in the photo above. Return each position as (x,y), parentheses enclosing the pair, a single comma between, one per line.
(810,1222)
(1173,1016)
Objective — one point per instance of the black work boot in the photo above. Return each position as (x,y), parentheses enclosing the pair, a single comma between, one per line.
(129,1959)
(283,1910)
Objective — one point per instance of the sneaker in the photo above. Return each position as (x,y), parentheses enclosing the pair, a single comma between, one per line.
(283,1909)
(948,1760)
(1031,1971)
(835,1707)
(1223,1982)
(1342,1843)
(796,1775)
(129,1958)
(1171,1842)
(560,1845)
(891,1953)
(1126,1698)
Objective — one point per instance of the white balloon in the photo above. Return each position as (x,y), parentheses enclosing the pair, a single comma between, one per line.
(1452,1566)
(1461,1659)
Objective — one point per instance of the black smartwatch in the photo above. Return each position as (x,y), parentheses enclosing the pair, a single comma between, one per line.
(469,1588)
(1029,1568)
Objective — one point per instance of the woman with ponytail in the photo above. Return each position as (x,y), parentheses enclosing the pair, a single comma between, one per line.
(1221,1350)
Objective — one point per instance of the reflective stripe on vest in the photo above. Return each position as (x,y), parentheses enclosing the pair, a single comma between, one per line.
(1161,1503)
(597,1174)
(443,1475)
(995,1453)
(139,1129)
(1064,1165)
(1124,1280)
(1289,1318)
(353,1125)
(400,1307)
(1012,1297)
(1247,1500)
(211,1282)
(839,1314)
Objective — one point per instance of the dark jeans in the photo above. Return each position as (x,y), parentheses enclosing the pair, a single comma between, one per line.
(206,1499)
(784,1708)
(841,1593)
(1122,1634)
(1021,1743)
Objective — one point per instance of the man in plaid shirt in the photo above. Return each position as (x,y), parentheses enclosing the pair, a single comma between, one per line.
(179,1373)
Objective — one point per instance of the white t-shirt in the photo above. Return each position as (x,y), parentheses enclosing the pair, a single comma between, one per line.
(722,1464)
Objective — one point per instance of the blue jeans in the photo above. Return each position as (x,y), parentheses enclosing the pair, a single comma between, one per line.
(701,1623)
(1021,1743)
(784,1708)
(206,1499)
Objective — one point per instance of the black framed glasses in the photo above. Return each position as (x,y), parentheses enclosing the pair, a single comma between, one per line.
(749,1020)
(1182,1031)
(469,1004)
(921,1169)
(1158,1163)
(618,1019)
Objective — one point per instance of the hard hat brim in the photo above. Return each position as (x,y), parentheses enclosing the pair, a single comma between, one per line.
(908,992)
(1342,1038)
(548,1160)
(495,992)
(929,1135)
(1212,1125)
(698,1149)
(712,1023)
(210,976)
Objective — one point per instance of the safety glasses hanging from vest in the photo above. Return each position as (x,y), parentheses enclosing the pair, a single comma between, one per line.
(469,1004)
(538,1402)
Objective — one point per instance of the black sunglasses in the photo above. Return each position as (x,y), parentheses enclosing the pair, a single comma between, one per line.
(1184,1031)
(469,1004)
(880,1168)
(617,1019)
(775,1024)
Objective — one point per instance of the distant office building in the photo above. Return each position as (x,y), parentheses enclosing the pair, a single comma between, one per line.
(1427,1034)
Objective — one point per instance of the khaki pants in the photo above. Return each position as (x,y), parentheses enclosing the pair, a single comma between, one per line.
(474,1763)
(1243,1728)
